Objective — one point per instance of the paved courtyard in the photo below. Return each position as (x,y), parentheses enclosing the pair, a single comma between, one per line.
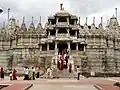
(62,84)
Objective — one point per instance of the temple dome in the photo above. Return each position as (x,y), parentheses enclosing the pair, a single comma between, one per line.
(113,21)
(62,13)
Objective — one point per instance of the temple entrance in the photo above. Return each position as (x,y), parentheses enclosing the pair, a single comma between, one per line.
(61,46)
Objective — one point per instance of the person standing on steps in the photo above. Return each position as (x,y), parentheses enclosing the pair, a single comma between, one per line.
(14,74)
(33,69)
(78,72)
(38,72)
(2,73)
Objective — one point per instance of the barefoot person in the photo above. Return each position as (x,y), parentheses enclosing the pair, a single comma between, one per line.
(26,70)
(38,72)
(14,75)
(78,72)
(2,73)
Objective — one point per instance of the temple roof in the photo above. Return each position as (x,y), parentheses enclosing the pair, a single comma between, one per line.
(62,13)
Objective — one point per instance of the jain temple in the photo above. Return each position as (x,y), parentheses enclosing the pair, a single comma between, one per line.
(92,48)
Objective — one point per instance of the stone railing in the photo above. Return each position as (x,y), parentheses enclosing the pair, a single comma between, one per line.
(74,26)
(77,53)
(47,53)
(62,24)
(62,35)
(50,26)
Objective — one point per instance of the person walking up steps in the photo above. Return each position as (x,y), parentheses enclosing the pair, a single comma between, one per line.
(78,72)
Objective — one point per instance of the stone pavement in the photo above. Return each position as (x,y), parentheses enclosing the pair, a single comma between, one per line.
(62,83)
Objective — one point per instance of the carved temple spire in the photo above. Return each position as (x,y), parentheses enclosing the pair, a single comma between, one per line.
(32,24)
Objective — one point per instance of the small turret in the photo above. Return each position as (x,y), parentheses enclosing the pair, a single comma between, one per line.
(12,23)
(101,24)
(93,24)
(39,26)
(32,24)
(113,21)
(23,26)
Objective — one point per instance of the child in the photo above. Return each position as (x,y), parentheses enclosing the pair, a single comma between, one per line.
(10,75)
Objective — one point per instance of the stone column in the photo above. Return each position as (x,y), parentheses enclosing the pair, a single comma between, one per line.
(50,22)
(57,20)
(76,33)
(68,46)
(56,32)
(68,31)
(47,46)
(48,33)
(56,52)
(68,20)
(76,46)
(74,22)
(40,47)
(84,48)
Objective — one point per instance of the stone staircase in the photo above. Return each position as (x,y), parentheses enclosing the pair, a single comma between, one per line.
(65,72)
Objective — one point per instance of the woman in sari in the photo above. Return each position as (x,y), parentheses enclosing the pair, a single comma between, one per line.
(14,75)
(2,73)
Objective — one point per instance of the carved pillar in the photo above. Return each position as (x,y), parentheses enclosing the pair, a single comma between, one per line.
(56,32)
(47,46)
(68,31)
(75,33)
(75,22)
(56,46)
(56,52)
(76,46)
(84,48)
(40,47)
(48,33)
(68,20)
(68,46)
(57,20)
(50,22)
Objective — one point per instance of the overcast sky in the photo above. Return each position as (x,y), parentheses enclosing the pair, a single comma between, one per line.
(45,8)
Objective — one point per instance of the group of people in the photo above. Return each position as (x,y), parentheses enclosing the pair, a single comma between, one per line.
(63,59)
(29,73)
(12,74)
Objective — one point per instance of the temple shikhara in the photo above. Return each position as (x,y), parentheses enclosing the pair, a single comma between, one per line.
(63,43)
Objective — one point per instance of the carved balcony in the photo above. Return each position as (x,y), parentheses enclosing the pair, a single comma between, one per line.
(62,24)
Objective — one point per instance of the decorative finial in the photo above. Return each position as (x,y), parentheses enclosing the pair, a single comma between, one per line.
(8,14)
(32,19)
(61,6)
(93,20)
(86,20)
(79,20)
(108,22)
(116,12)
(23,19)
(101,20)
(40,19)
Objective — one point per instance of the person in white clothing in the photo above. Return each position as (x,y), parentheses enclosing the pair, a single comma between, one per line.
(48,72)
(26,70)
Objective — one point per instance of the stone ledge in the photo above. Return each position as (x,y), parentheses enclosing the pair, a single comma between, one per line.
(106,87)
(18,87)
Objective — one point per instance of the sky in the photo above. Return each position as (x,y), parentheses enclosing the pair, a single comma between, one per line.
(45,8)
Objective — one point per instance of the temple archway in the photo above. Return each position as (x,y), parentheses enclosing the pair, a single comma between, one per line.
(61,46)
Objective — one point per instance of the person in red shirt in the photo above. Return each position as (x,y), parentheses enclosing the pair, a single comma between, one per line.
(14,75)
